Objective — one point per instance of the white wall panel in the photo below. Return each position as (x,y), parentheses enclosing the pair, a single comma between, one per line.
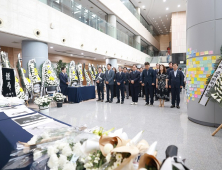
(22,17)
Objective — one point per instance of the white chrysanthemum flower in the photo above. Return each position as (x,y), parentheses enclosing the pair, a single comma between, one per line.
(37,154)
(119,157)
(53,161)
(69,166)
(52,150)
(62,160)
(67,151)
(77,149)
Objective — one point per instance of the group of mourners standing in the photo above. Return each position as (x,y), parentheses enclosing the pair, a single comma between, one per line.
(159,83)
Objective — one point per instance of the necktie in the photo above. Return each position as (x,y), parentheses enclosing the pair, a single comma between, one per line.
(147,72)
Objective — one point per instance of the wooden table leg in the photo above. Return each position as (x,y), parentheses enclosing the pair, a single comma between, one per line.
(217,130)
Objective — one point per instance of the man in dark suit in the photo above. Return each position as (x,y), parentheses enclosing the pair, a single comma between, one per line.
(141,88)
(134,84)
(100,77)
(64,83)
(120,77)
(168,73)
(109,79)
(126,82)
(175,83)
(156,71)
(148,80)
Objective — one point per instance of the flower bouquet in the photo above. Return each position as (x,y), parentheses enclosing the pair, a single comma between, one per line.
(33,72)
(94,70)
(91,72)
(79,69)
(58,97)
(49,77)
(88,80)
(18,90)
(68,148)
(26,82)
(5,60)
(73,73)
(43,102)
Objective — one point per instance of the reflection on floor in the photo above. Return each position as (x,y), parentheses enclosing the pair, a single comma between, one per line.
(165,125)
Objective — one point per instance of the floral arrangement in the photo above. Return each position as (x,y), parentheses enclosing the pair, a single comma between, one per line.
(91,72)
(72,72)
(33,72)
(216,92)
(79,69)
(71,148)
(18,90)
(88,80)
(5,60)
(43,101)
(58,97)
(26,82)
(49,77)
(94,70)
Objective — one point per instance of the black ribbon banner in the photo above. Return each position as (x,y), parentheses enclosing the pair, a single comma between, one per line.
(8,88)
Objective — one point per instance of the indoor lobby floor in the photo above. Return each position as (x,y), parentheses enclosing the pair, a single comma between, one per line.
(165,125)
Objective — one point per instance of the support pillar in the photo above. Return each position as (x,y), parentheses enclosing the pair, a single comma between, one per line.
(112,25)
(137,42)
(34,50)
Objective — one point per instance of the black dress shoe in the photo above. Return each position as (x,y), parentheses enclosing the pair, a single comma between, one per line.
(98,100)
(178,107)
(147,104)
(122,102)
(110,101)
(117,102)
(172,106)
(127,98)
(101,100)
(107,101)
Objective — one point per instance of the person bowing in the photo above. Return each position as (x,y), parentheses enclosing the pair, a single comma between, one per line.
(134,84)
(148,80)
(120,77)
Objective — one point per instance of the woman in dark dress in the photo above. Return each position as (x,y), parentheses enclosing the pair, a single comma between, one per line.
(161,85)
(115,84)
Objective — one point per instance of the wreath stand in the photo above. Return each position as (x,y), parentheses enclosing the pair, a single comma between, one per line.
(217,130)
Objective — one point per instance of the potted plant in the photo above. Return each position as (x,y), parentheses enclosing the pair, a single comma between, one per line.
(58,97)
(43,103)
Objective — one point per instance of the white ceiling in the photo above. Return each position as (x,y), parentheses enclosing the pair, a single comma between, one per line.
(156,13)
(9,40)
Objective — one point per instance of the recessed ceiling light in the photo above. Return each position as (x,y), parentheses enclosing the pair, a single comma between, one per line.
(178,5)
(51,47)
(153,18)
(166,15)
(143,6)
(155,21)
(167,8)
(164,0)
(159,17)
(82,53)
(71,54)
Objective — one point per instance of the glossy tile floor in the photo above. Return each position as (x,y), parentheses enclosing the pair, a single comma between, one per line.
(165,125)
